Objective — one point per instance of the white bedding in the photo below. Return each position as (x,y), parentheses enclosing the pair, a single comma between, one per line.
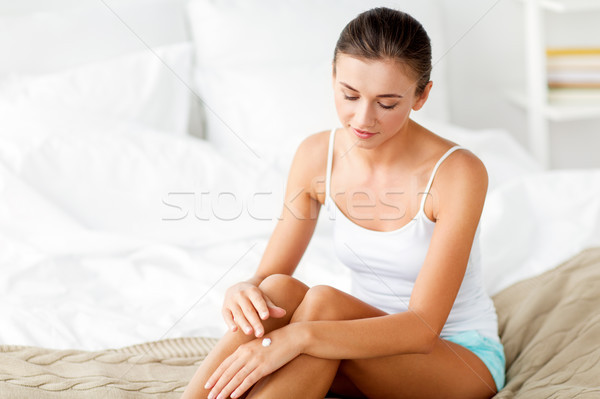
(89,260)
(98,249)
(116,228)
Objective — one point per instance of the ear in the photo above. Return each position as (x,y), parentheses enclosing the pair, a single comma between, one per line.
(423,98)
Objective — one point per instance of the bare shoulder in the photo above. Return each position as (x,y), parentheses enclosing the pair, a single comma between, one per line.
(462,182)
(463,165)
(310,162)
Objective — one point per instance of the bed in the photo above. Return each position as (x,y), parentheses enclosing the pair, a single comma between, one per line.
(550,340)
(120,230)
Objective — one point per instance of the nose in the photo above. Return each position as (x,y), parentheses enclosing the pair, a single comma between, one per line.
(365,116)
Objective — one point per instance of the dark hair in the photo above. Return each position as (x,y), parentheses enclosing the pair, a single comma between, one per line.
(383,33)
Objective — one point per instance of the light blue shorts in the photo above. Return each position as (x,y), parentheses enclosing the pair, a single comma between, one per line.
(490,351)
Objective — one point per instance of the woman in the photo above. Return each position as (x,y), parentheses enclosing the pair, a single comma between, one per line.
(418,322)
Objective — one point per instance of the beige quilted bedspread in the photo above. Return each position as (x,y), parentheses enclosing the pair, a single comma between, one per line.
(159,369)
(550,328)
(549,325)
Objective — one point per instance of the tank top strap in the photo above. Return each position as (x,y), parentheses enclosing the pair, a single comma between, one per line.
(435,168)
(329,163)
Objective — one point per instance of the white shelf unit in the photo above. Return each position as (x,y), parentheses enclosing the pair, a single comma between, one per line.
(570,5)
(535,99)
(558,112)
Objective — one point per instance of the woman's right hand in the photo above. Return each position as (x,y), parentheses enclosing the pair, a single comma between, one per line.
(245,306)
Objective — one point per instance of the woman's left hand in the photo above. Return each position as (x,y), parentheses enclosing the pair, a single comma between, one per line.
(251,362)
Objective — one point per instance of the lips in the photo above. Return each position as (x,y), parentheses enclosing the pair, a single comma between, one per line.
(363,134)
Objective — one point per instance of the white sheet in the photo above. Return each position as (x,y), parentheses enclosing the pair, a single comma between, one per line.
(91,253)
(535,222)
(133,292)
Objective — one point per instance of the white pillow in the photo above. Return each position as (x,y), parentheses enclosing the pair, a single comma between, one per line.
(126,178)
(263,68)
(533,223)
(136,87)
(503,156)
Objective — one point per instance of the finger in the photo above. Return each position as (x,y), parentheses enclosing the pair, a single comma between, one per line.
(252,317)
(259,303)
(240,320)
(248,382)
(236,381)
(275,310)
(216,375)
(228,317)
(225,379)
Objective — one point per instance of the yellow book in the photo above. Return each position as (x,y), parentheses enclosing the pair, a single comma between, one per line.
(552,52)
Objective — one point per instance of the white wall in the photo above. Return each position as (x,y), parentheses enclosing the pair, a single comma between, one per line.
(40,36)
(490,58)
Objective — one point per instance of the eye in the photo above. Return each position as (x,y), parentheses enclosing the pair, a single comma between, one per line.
(387,106)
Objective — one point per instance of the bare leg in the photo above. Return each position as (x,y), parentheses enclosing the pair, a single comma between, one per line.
(284,291)
(307,376)
(455,370)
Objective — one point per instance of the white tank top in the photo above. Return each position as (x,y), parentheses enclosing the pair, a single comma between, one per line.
(384,264)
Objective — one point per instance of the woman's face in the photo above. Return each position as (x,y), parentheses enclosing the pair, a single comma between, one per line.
(374,96)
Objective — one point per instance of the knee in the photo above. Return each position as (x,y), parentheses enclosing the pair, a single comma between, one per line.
(281,287)
(318,304)
(275,281)
(281,282)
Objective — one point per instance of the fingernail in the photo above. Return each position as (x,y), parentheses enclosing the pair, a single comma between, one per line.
(264,315)
(247,330)
(210,396)
(259,333)
(206,386)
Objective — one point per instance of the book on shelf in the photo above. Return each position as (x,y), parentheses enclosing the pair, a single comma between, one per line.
(576,62)
(574,96)
(577,78)
(572,51)
(573,68)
